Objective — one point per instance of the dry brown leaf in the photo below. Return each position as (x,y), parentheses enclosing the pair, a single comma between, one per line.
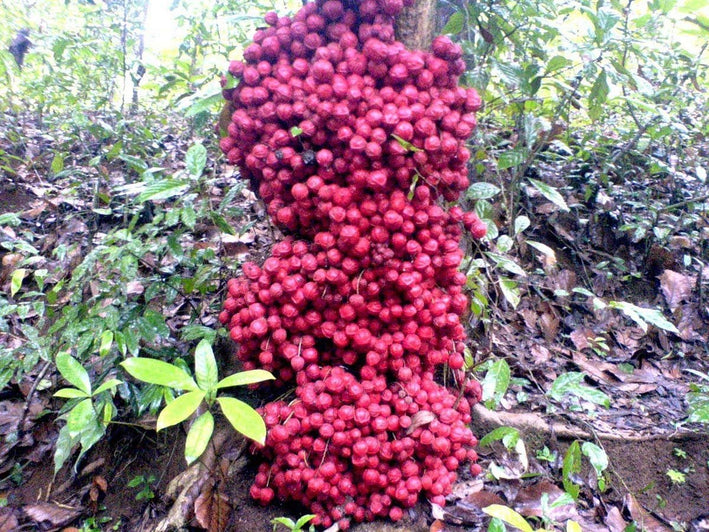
(676,287)
(211,508)
(540,353)
(615,521)
(529,501)
(437,526)
(580,338)
(8,520)
(49,514)
(640,515)
(483,499)
(549,324)
(420,418)
(134,288)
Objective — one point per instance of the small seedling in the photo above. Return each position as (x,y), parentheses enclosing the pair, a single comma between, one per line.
(546,455)
(294,526)
(145,484)
(242,417)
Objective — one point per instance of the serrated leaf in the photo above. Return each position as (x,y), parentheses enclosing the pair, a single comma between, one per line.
(481,190)
(644,316)
(598,96)
(243,418)
(455,24)
(509,516)
(159,372)
(196,160)
(205,366)
(496,382)
(163,189)
(73,372)
(179,409)
(16,280)
(550,193)
(245,377)
(198,437)
(221,223)
(188,216)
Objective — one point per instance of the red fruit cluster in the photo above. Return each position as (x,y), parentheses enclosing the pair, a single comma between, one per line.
(363,449)
(354,142)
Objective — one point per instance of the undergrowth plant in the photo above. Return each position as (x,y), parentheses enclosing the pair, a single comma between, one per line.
(204,390)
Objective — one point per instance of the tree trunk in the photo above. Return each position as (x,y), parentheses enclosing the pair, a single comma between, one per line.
(415,25)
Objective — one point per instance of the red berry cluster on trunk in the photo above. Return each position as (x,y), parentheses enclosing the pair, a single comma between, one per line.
(355,144)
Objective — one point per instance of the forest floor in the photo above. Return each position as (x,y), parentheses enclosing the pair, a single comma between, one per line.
(567,323)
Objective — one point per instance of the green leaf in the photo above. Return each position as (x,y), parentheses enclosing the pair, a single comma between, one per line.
(245,377)
(598,96)
(550,193)
(221,223)
(597,456)
(571,384)
(204,104)
(162,189)
(405,144)
(571,467)
(16,280)
(196,160)
(80,416)
(557,62)
(106,343)
(70,393)
(198,437)
(188,216)
(455,24)
(73,372)
(643,316)
(510,159)
(110,383)
(243,418)
(506,263)
(546,250)
(285,521)
(509,516)
(481,190)
(57,163)
(495,383)
(179,409)
(205,366)
(159,372)
(295,131)
(510,291)
(521,223)
(304,520)
(509,435)
(63,447)
(496,525)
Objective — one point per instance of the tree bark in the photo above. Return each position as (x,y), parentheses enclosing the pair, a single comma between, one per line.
(415,25)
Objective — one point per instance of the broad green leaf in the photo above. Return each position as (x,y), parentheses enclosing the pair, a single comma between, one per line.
(495,383)
(106,343)
(57,163)
(643,316)
(205,366)
(179,409)
(304,520)
(245,377)
(509,516)
(504,243)
(481,190)
(285,521)
(198,437)
(597,456)
(550,193)
(509,435)
(521,223)
(510,159)
(221,223)
(110,383)
(63,448)
(510,291)
(73,372)
(571,384)
(557,62)
(243,418)
(70,393)
(496,525)
(16,280)
(163,189)
(80,416)
(196,160)
(506,263)
(571,467)
(89,436)
(573,526)
(188,216)
(204,104)
(455,24)
(159,372)
(544,249)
